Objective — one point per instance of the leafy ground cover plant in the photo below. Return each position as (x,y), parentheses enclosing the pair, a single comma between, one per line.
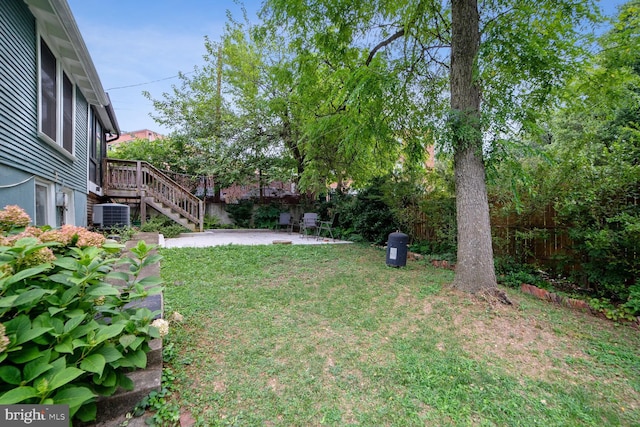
(212,222)
(162,410)
(122,234)
(329,335)
(66,335)
(163,225)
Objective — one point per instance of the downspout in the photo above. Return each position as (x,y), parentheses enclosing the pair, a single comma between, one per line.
(112,118)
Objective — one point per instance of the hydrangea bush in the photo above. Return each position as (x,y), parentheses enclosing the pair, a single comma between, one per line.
(66,332)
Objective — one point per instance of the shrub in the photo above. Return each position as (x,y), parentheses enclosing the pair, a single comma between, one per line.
(429,247)
(633,302)
(125,232)
(396,202)
(266,216)
(440,213)
(617,313)
(164,226)
(211,221)
(66,333)
(368,215)
(514,279)
(241,213)
(513,273)
(606,251)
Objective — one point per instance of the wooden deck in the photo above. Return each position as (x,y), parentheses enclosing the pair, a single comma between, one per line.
(142,183)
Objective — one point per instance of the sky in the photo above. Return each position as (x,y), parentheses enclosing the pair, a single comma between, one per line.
(142,45)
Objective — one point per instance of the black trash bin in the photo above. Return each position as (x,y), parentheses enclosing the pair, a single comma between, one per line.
(397,244)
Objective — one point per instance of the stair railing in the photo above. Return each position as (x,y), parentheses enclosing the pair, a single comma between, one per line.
(147,181)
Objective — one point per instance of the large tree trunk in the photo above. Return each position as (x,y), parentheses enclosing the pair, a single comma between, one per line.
(474,268)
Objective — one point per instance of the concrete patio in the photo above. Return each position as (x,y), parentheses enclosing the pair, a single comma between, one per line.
(222,237)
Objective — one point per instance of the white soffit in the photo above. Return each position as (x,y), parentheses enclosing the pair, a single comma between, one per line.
(56,19)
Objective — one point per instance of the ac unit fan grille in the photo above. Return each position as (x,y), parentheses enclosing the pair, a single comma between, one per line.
(111,215)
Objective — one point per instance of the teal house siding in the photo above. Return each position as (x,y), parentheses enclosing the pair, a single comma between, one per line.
(17,188)
(21,146)
(28,161)
(18,86)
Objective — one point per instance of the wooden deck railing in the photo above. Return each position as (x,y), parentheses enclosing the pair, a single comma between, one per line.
(138,179)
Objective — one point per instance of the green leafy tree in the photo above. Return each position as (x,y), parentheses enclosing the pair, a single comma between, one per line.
(201,122)
(163,153)
(233,112)
(258,81)
(288,113)
(398,74)
(595,144)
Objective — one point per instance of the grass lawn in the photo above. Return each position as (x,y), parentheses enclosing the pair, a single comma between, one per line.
(329,335)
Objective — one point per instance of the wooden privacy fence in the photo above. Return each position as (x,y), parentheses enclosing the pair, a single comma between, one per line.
(531,238)
(527,238)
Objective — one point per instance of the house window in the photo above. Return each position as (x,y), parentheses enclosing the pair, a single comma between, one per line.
(48,122)
(95,149)
(42,204)
(56,113)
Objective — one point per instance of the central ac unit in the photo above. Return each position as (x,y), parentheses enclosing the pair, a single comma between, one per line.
(107,215)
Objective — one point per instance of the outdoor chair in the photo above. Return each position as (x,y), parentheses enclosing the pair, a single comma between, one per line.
(285,221)
(327,226)
(309,223)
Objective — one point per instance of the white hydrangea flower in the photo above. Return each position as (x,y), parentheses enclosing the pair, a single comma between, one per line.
(4,340)
(162,325)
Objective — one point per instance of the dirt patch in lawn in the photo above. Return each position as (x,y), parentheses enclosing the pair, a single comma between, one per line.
(522,345)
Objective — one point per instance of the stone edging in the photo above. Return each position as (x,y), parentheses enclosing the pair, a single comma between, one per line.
(555,298)
(112,410)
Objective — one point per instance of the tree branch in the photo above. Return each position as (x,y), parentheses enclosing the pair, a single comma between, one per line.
(383,44)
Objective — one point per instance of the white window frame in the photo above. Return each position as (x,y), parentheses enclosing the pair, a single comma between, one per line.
(49,204)
(57,141)
(92,118)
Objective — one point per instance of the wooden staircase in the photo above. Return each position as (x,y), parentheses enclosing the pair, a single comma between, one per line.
(138,182)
